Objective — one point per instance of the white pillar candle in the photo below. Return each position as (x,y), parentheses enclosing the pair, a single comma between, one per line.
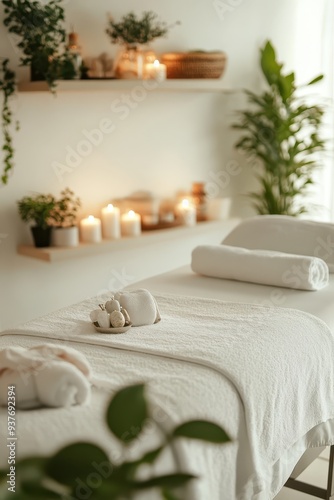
(186,212)
(90,230)
(131,224)
(219,208)
(111,227)
(156,71)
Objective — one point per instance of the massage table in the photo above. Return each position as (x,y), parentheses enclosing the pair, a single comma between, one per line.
(321,304)
(179,388)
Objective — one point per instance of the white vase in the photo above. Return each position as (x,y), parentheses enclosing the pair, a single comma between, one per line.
(65,236)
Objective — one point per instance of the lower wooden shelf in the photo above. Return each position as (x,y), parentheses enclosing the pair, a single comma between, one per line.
(52,254)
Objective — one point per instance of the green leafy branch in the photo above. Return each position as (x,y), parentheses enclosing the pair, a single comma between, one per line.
(132,30)
(37,209)
(41,32)
(8,88)
(59,476)
(284,134)
(65,211)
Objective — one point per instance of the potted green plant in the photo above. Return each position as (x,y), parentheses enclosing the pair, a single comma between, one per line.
(8,88)
(40,28)
(282,131)
(64,217)
(38,209)
(132,33)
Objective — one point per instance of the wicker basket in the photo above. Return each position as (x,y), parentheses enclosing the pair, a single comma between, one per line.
(194,64)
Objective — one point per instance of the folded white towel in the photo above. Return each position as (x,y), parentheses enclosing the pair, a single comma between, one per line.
(141,306)
(260,266)
(46,375)
(285,234)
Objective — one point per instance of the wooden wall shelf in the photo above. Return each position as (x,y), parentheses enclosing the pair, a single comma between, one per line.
(172,85)
(52,254)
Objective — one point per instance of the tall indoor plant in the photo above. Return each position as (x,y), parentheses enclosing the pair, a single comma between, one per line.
(283,132)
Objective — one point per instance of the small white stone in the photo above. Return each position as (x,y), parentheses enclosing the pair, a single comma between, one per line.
(112,305)
(126,315)
(93,315)
(117,319)
(103,319)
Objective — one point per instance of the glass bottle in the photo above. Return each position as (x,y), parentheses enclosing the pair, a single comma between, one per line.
(74,51)
(130,63)
(199,199)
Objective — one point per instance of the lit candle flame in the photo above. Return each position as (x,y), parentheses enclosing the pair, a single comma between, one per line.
(110,207)
(185,203)
(91,217)
(156,63)
(131,214)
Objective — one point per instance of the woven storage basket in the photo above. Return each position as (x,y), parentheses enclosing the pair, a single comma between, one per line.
(194,64)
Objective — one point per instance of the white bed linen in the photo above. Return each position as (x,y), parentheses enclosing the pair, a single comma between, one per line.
(284,233)
(176,386)
(179,390)
(183,281)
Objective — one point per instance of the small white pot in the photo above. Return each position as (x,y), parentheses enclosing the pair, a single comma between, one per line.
(65,236)
(219,208)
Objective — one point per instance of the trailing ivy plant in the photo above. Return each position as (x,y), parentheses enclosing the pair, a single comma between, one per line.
(8,88)
(40,29)
(64,475)
(283,132)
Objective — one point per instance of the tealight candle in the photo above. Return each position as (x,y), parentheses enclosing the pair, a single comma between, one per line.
(111,227)
(90,230)
(186,212)
(156,71)
(131,224)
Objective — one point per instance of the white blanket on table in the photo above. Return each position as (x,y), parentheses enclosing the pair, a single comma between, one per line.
(279,361)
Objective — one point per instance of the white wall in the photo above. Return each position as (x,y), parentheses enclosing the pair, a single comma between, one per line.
(166,143)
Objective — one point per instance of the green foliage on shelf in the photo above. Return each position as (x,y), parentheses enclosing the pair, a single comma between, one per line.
(58,476)
(8,88)
(39,27)
(37,209)
(47,210)
(283,132)
(65,211)
(133,30)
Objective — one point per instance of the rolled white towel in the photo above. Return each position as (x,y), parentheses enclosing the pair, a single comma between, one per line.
(141,306)
(47,375)
(282,233)
(260,266)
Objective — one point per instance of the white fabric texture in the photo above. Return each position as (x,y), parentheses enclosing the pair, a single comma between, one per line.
(45,375)
(260,266)
(183,281)
(140,305)
(285,234)
(279,362)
